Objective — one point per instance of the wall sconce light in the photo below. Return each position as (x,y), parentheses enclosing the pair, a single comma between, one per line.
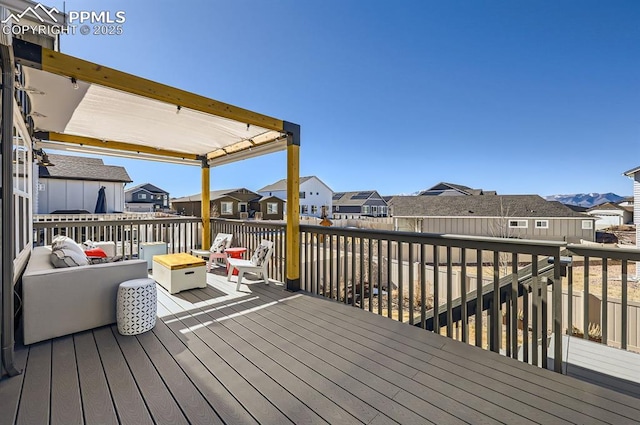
(43,158)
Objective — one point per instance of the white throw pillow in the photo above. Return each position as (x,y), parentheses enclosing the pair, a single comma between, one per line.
(260,255)
(63,242)
(219,245)
(68,258)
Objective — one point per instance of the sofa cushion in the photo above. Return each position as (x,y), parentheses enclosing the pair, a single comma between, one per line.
(64,257)
(63,242)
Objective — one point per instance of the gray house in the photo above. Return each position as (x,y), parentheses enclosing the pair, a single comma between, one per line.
(357,204)
(237,203)
(146,198)
(512,216)
(451,189)
(72,185)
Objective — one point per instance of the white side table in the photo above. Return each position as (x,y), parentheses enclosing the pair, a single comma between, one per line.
(137,306)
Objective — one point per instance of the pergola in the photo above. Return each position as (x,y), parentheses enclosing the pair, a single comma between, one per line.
(83,106)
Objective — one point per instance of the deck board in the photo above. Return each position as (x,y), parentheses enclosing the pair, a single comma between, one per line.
(185,392)
(96,398)
(227,346)
(273,362)
(250,398)
(265,355)
(226,406)
(11,389)
(494,366)
(129,403)
(161,404)
(35,400)
(434,391)
(66,406)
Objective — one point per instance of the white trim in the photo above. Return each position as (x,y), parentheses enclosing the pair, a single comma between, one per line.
(519,224)
(588,223)
(545,226)
(222,209)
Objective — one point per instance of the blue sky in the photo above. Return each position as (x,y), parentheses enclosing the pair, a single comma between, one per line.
(515,96)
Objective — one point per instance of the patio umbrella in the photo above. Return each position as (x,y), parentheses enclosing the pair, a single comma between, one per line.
(101,204)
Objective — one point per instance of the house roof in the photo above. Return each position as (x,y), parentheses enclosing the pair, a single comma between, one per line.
(479,206)
(146,186)
(606,206)
(631,172)
(82,168)
(217,194)
(466,190)
(281,185)
(354,198)
(267,197)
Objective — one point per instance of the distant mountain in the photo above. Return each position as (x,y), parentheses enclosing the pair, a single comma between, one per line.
(587,200)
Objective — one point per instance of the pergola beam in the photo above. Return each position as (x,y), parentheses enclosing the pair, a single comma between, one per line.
(109,144)
(33,55)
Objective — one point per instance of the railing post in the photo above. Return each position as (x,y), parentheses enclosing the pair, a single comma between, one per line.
(557,313)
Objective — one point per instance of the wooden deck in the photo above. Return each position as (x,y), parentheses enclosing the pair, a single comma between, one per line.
(268,356)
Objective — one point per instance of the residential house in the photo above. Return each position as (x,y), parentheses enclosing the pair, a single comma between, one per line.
(513,216)
(450,189)
(239,203)
(73,182)
(314,194)
(634,174)
(609,214)
(146,198)
(358,204)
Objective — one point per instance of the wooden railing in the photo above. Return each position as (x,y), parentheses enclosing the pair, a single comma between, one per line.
(506,295)
(474,283)
(180,234)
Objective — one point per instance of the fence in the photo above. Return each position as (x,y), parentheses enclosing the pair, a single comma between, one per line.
(180,234)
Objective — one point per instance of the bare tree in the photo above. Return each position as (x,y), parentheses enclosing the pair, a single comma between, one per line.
(499,228)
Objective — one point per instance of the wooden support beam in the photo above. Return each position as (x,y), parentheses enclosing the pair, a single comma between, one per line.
(108,144)
(293,217)
(205,206)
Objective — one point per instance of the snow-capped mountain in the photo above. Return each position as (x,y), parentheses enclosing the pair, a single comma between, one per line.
(586,199)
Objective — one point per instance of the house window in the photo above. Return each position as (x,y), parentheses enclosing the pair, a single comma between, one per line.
(304,209)
(226,208)
(518,224)
(302,195)
(142,196)
(365,209)
(542,224)
(272,208)
(314,209)
(336,208)
(587,224)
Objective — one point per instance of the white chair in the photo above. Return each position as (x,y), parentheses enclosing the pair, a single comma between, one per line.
(258,263)
(221,242)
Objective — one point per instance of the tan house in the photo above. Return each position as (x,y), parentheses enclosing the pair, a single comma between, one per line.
(239,203)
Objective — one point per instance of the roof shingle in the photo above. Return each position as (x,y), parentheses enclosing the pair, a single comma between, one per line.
(479,206)
(82,168)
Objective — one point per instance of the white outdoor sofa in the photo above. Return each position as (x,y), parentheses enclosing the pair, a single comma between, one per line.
(61,301)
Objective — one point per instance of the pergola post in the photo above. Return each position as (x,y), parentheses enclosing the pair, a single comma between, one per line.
(293,207)
(205,208)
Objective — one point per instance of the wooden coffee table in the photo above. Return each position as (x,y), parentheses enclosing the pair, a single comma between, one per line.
(178,272)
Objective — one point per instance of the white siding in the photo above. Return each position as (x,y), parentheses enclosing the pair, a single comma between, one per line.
(60,194)
(316,193)
(607,218)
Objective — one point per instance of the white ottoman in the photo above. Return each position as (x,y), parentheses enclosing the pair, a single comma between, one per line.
(137,306)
